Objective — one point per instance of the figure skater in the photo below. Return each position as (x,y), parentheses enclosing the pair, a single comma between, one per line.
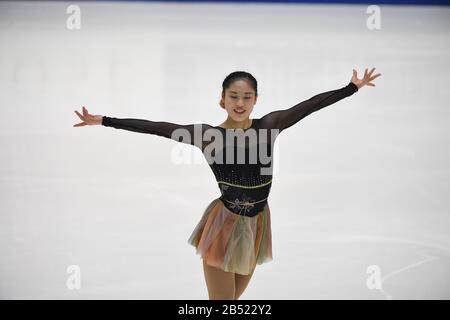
(234,232)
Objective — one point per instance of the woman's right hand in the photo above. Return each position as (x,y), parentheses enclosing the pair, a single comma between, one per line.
(88,119)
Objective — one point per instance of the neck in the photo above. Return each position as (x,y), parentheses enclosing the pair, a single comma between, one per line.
(230,123)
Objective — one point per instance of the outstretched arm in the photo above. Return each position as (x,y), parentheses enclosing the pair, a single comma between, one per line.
(282,119)
(159,128)
(184,133)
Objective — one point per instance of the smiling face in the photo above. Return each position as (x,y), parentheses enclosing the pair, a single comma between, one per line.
(239,99)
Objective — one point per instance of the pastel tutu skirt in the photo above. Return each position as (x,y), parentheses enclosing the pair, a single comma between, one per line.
(233,242)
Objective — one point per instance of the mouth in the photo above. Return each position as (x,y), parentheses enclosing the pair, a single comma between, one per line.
(239,111)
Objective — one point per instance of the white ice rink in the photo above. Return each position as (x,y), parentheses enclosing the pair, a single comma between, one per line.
(361,188)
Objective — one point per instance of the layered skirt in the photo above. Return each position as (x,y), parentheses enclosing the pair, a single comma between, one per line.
(233,242)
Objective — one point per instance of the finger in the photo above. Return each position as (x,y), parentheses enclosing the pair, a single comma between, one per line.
(85,112)
(80,124)
(371,71)
(79,115)
(371,84)
(375,76)
(365,73)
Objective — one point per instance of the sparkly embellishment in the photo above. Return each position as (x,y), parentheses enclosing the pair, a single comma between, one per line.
(245,204)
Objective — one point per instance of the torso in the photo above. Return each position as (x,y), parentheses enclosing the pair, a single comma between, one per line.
(244,188)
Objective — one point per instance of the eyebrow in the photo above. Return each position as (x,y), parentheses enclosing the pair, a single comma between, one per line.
(244,92)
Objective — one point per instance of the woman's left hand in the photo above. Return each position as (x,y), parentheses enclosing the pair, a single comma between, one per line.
(366,80)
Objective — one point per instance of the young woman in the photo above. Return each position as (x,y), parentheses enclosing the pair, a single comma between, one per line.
(234,232)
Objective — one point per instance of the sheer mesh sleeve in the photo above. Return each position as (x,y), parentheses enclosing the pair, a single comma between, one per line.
(189,133)
(282,119)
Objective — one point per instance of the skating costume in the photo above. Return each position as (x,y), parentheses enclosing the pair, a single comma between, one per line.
(234,231)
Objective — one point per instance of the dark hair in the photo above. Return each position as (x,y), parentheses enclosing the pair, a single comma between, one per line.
(238,75)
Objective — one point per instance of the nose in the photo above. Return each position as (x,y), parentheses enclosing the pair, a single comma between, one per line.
(240,103)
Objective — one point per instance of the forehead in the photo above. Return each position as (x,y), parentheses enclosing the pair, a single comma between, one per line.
(241,87)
